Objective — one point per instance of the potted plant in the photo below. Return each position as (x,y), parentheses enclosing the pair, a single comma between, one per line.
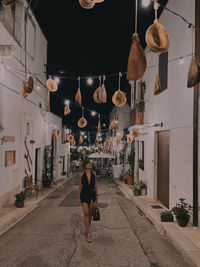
(129,177)
(136,189)
(143,188)
(141,164)
(182,211)
(20,197)
(167,216)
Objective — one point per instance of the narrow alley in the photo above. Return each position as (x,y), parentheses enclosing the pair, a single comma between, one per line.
(54,234)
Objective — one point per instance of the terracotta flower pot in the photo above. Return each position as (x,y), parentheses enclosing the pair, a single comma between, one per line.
(129,180)
(139,118)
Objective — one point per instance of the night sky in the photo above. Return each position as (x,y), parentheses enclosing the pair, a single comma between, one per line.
(92,42)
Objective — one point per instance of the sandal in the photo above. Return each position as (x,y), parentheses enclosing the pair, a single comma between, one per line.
(89,240)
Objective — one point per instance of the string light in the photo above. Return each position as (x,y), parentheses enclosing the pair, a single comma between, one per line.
(146,3)
(89,81)
(93,113)
(67,102)
(57,80)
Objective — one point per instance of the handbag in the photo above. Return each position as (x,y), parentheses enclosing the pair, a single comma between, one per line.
(96,214)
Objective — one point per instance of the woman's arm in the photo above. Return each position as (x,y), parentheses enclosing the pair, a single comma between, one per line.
(96,190)
(79,187)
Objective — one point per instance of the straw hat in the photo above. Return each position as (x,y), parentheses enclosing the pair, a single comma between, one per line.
(157,88)
(78,98)
(58,133)
(129,139)
(80,140)
(8,2)
(119,98)
(82,122)
(95,96)
(137,62)
(135,133)
(67,110)
(113,125)
(51,85)
(193,73)
(70,138)
(88,4)
(157,38)
(29,85)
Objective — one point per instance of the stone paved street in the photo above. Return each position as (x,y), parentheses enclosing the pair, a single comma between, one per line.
(54,234)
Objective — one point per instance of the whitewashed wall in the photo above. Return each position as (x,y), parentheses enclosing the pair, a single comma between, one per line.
(173,107)
(15,111)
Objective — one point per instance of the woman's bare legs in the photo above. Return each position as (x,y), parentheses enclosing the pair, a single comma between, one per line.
(91,206)
(87,222)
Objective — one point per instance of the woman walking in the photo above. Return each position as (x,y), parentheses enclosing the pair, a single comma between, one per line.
(87,194)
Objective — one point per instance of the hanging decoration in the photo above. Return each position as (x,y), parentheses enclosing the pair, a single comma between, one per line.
(88,4)
(137,62)
(118,140)
(51,85)
(119,98)
(82,122)
(48,102)
(100,95)
(96,93)
(156,35)
(73,142)
(157,87)
(135,133)
(67,110)
(70,137)
(28,87)
(78,98)
(80,140)
(58,133)
(8,2)
(194,70)
(99,126)
(103,94)
(113,125)
(129,139)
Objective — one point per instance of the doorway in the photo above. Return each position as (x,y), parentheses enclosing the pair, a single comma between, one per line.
(163,168)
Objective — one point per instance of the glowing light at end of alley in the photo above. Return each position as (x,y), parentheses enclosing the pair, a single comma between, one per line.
(89,81)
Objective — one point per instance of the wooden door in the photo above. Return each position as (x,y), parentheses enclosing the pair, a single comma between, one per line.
(163,168)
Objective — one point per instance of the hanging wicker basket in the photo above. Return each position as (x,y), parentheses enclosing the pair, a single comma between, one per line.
(51,85)
(82,122)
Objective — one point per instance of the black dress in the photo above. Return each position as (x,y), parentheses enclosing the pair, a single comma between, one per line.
(88,192)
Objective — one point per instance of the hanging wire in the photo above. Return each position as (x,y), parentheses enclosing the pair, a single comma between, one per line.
(136,15)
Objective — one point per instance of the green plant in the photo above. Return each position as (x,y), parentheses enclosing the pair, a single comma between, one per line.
(142,184)
(136,186)
(140,106)
(141,164)
(20,196)
(167,216)
(182,209)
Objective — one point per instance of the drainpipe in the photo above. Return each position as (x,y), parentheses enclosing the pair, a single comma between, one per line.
(195,119)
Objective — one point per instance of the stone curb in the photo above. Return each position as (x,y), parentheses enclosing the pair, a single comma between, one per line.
(185,246)
(18,215)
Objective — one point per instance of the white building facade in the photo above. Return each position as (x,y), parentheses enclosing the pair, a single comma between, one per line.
(22,119)
(166,140)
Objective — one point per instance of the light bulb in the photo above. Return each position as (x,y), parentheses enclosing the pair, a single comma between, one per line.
(89,81)
(67,102)
(146,3)
(93,113)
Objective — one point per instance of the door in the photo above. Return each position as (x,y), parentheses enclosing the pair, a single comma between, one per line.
(163,168)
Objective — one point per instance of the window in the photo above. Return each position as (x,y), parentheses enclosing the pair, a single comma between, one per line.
(30,37)
(163,71)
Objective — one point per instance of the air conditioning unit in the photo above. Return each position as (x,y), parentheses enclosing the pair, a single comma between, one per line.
(6,51)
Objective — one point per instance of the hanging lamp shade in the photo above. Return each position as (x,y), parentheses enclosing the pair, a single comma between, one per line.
(58,133)
(70,137)
(88,4)
(82,122)
(8,2)
(193,73)
(113,125)
(99,127)
(78,98)
(137,62)
(67,110)
(129,139)
(157,38)
(157,88)
(119,98)
(22,93)
(101,94)
(29,85)
(80,140)
(135,133)
(96,96)
(51,85)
